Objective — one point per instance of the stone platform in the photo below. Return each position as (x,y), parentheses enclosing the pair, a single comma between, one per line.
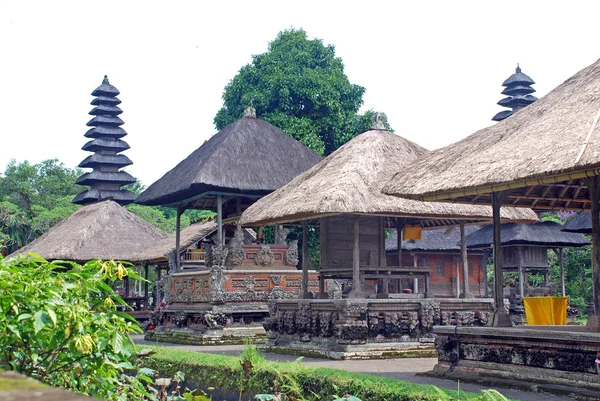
(221,306)
(542,355)
(367,328)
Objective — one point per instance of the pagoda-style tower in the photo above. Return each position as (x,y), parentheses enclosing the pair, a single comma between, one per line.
(106,179)
(518,90)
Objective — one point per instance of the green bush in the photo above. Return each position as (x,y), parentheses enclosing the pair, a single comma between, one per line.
(60,324)
(297,381)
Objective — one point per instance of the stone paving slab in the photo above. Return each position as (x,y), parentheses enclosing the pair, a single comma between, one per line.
(405,369)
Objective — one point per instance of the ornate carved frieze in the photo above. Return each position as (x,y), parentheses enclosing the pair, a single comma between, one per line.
(264,257)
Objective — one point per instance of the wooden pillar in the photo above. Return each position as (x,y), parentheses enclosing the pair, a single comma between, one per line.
(305,259)
(126,280)
(465,262)
(356,280)
(157,286)
(521,281)
(220,220)
(501,318)
(178,239)
(594,189)
(415,280)
(399,227)
(323,255)
(457,277)
(146,285)
(484,261)
(561,262)
(382,256)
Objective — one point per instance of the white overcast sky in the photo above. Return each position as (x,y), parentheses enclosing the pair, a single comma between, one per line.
(434,67)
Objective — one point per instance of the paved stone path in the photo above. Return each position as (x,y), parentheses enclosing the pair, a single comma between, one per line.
(405,369)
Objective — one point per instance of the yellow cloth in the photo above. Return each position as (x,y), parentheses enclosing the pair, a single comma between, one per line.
(411,232)
(546,310)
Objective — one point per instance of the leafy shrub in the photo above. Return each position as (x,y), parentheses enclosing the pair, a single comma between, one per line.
(61,325)
(297,381)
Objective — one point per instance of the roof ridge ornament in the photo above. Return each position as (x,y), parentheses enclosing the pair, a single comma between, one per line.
(380,122)
(518,69)
(105,80)
(250,112)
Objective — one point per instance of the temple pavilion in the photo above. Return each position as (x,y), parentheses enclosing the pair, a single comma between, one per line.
(342,194)
(227,296)
(545,157)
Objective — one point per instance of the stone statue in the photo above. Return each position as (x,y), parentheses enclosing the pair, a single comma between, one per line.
(217,275)
(264,257)
(281,235)
(236,253)
(291,255)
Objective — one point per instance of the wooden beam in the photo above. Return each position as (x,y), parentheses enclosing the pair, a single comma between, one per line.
(356,282)
(594,189)
(178,239)
(465,262)
(305,259)
(501,318)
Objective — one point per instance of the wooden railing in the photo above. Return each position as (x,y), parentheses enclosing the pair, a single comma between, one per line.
(194,256)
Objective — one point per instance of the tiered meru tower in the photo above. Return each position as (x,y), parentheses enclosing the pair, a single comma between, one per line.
(518,90)
(106,179)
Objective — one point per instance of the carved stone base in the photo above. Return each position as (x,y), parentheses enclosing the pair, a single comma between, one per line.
(553,355)
(501,319)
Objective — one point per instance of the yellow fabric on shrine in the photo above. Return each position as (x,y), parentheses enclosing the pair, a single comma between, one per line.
(412,232)
(546,310)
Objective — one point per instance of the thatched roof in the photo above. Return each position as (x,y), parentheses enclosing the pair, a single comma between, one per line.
(544,233)
(540,154)
(580,223)
(349,181)
(432,240)
(103,230)
(248,156)
(160,250)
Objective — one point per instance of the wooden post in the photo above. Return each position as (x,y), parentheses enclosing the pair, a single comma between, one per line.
(126,280)
(146,286)
(382,256)
(521,281)
(178,239)
(305,259)
(501,318)
(323,255)
(157,286)
(220,220)
(399,227)
(457,277)
(594,190)
(465,262)
(562,272)
(356,281)
(415,280)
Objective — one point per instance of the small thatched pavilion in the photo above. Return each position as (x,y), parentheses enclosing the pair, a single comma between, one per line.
(580,223)
(344,192)
(525,247)
(246,160)
(545,157)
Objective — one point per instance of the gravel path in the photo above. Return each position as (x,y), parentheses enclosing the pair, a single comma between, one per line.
(405,369)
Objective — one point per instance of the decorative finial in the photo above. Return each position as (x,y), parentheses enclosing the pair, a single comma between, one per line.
(105,80)
(518,69)
(250,112)
(380,122)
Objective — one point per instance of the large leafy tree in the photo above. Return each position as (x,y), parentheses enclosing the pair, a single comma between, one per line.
(299,85)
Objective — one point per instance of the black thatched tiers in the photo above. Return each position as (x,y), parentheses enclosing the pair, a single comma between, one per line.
(545,233)
(99,159)
(432,240)
(120,177)
(121,196)
(99,132)
(580,223)
(248,156)
(115,145)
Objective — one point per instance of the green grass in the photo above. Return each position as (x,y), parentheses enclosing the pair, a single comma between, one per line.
(301,382)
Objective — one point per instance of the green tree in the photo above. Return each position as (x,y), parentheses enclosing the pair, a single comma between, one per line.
(299,85)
